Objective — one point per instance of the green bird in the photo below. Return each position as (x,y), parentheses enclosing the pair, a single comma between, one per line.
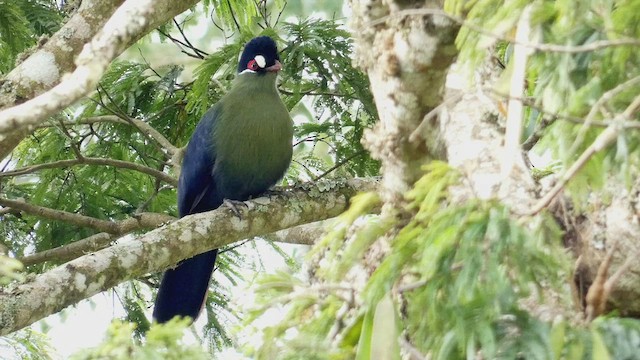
(239,149)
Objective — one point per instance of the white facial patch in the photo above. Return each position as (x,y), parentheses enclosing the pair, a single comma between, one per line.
(260,60)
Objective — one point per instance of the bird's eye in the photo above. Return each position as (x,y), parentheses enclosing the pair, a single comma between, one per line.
(252,65)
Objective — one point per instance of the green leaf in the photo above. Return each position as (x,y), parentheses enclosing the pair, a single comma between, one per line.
(600,351)
(384,332)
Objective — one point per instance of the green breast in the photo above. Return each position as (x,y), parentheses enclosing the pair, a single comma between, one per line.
(253,138)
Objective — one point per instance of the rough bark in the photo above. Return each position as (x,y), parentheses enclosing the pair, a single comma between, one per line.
(50,292)
(407,59)
(407,53)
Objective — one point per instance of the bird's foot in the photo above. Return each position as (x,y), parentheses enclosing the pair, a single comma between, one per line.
(233,206)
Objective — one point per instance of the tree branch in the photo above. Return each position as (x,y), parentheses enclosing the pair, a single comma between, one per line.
(71,251)
(138,221)
(48,293)
(306,234)
(93,161)
(142,126)
(129,22)
(606,138)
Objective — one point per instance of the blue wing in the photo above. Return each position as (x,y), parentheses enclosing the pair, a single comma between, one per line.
(196,186)
(184,288)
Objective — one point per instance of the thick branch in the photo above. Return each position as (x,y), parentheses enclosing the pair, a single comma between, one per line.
(44,68)
(79,279)
(407,59)
(130,22)
(94,161)
(306,234)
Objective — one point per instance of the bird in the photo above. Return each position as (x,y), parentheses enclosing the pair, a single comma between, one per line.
(241,147)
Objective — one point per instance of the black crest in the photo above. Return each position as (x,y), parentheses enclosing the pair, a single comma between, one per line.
(261,45)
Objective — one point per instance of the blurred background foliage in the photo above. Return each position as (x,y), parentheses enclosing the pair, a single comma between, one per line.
(459,279)
(456,279)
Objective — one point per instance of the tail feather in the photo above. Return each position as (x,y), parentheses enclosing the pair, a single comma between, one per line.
(184,288)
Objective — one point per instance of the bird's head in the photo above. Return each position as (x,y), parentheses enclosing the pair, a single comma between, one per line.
(260,56)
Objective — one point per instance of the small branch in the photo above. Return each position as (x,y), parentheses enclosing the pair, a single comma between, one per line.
(598,106)
(139,221)
(52,214)
(339,164)
(533,139)
(601,288)
(142,126)
(313,93)
(606,138)
(198,52)
(94,161)
(233,16)
(71,251)
(603,140)
(418,133)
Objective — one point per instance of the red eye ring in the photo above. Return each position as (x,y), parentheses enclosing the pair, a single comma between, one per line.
(252,65)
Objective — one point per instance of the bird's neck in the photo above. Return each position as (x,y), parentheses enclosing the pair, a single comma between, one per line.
(251,83)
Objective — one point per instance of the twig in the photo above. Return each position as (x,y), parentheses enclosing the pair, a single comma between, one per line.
(574,119)
(233,16)
(339,164)
(145,129)
(412,286)
(601,288)
(198,52)
(148,130)
(533,139)
(70,251)
(605,98)
(608,136)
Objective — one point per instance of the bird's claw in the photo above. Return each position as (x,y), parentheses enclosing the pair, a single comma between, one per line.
(233,206)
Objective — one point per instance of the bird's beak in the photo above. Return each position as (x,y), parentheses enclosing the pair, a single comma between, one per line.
(275,67)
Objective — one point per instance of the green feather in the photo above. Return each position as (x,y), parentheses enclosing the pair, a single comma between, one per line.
(254,109)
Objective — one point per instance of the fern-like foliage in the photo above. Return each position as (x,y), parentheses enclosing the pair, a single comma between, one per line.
(453,284)
(568,86)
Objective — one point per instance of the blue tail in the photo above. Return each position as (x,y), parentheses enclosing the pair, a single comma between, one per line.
(184,288)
